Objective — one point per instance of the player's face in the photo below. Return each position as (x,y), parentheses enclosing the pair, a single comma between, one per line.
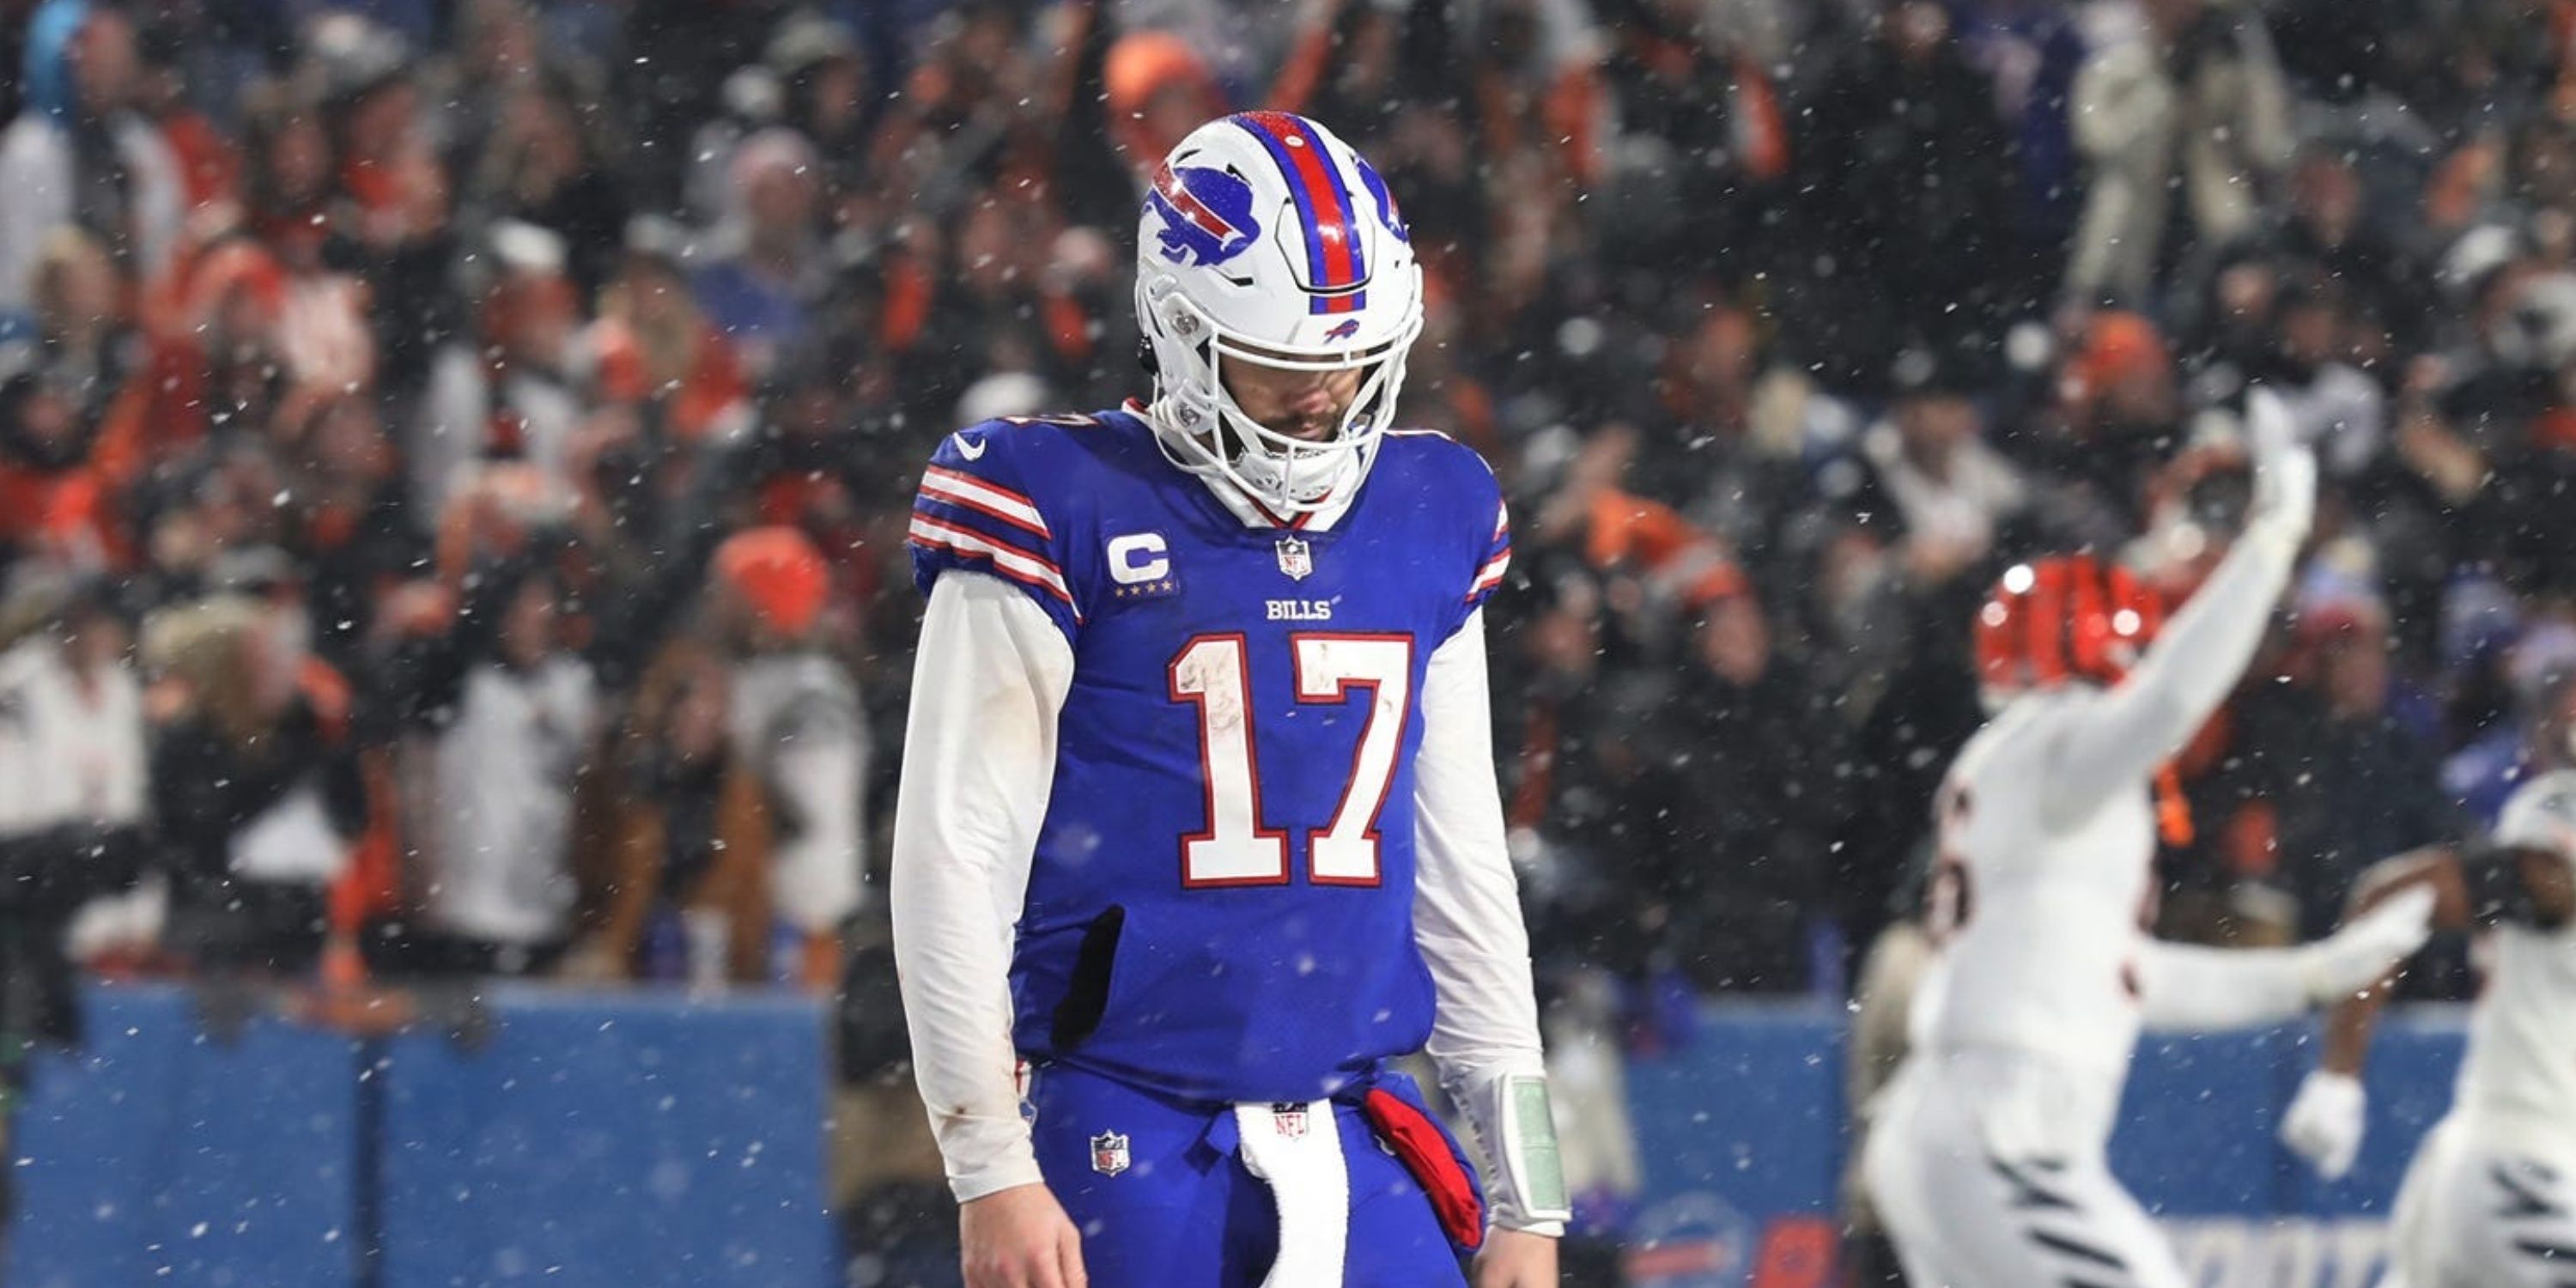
(1302,404)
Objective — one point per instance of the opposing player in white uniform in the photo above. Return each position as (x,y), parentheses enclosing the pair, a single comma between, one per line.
(2491,1199)
(1988,1160)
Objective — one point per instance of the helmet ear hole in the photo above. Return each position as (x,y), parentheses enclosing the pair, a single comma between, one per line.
(1145,358)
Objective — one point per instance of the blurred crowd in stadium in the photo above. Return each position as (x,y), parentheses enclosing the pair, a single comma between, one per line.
(454,455)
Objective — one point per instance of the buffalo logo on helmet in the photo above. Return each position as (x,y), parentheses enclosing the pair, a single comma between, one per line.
(1348,328)
(1207,214)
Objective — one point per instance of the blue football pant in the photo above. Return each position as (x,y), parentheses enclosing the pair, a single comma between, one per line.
(1184,1212)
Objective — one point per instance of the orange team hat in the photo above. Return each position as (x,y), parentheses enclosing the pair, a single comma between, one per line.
(779,573)
(1143,63)
(2116,345)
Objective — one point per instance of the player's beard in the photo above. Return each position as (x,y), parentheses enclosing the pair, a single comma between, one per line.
(1296,473)
(1320,427)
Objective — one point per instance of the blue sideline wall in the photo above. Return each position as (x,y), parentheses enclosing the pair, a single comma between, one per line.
(638,1139)
(589,1141)
(1744,1148)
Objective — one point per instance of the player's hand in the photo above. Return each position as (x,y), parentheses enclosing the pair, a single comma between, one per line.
(2361,954)
(2324,1124)
(2285,469)
(1019,1238)
(1516,1259)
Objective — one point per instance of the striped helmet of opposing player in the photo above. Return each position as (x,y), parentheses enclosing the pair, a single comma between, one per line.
(2063,619)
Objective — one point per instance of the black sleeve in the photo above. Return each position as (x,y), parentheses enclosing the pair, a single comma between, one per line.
(2498,893)
(420,680)
(205,786)
(344,792)
(52,872)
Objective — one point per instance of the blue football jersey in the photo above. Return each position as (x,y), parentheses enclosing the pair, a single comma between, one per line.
(1221,901)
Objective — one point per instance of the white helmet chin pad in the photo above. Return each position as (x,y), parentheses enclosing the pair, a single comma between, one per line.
(1265,239)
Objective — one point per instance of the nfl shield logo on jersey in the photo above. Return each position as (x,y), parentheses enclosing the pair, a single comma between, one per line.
(1109,1153)
(1296,558)
(1290,1119)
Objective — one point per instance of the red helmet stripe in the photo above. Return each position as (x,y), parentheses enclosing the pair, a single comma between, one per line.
(1191,208)
(2047,603)
(1332,226)
(2089,626)
(2060,619)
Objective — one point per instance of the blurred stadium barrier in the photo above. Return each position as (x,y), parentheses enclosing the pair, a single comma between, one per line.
(1743,1147)
(617,1140)
(625,1140)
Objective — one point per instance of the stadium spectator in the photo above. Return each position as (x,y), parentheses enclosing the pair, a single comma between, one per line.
(507,722)
(2363,782)
(795,721)
(69,419)
(1759,753)
(256,785)
(2185,124)
(77,823)
(655,350)
(768,268)
(505,388)
(683,893)
(1905,246)
(2537,736)
(545,166)
(79,154)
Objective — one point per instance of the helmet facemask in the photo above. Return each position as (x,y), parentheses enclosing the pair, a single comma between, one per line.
(1286,474)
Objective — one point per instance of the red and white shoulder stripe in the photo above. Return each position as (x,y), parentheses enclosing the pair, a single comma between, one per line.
(984,497)
(1020,565)
(1498,560)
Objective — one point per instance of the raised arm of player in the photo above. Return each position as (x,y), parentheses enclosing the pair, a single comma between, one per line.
(979,756)
(2144,720)
(1467,920)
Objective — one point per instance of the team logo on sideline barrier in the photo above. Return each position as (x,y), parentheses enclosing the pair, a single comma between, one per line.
(1694,1240)
(2280,1252)
(1109,1153)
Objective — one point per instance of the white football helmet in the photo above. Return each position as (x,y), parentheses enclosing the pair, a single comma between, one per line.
(1266,239)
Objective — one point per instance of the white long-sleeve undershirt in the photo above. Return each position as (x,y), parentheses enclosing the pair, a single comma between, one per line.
(2202,990)
(978,762)
(989,682)
(2129,730)
(1467,918)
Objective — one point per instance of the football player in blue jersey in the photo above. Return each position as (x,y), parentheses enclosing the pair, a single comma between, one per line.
(1198,827)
